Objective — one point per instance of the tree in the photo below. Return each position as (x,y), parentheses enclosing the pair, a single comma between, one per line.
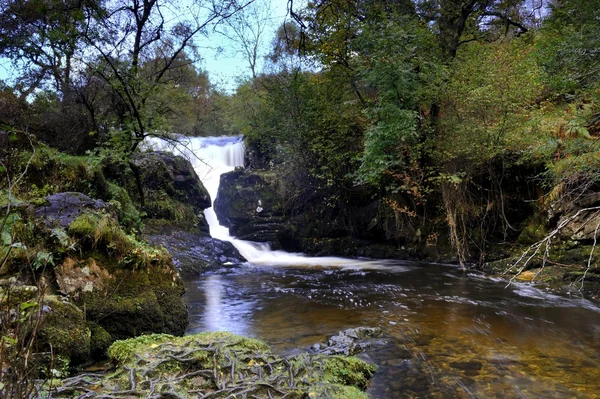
(248,29)
(461,21)
(137,32)
(44,40)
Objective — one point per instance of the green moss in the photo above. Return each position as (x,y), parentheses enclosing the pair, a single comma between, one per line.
(347,371)
(160,205)
(129,215)
(100,340)
(65,331)
(123,351)
(227,360)
(85,225)
(534,231)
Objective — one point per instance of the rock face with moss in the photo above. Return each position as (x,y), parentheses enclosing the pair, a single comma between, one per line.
(253,204)
(103,284)
(220,365)
(171,189)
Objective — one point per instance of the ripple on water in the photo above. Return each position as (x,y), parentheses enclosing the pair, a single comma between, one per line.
(450,334)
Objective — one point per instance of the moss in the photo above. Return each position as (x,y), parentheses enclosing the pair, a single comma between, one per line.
(129,215)
(534,231)
(100,340)
(140,301)
(159,205)
(65,331)
(85,225)
(215,356)
(335,391)
(347,371)
(124,350)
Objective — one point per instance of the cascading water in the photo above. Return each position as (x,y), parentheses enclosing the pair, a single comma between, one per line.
(213,156)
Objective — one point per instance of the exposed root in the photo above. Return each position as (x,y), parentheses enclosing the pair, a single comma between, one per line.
(546,243)
(194,370)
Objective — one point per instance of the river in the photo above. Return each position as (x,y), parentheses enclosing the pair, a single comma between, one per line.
(448,333)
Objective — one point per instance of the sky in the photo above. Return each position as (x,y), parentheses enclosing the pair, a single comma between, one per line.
(219,58)
(225,67)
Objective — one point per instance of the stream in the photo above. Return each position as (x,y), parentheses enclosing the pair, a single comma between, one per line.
(446,333)
(449,333)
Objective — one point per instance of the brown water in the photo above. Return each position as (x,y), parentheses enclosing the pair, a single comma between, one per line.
(449,333)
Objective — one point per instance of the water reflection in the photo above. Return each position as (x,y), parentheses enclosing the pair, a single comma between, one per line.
(215,307)
(449,334)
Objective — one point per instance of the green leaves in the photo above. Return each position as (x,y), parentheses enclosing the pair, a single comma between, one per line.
(6,238)
(43,259)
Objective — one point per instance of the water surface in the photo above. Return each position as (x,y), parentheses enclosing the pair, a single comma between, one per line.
(449,333)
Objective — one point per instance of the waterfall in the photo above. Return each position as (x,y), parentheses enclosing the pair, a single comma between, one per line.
(213,156)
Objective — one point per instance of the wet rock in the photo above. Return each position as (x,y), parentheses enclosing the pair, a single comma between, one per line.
(249,204)
(350,342)
(62,208)
(192,252)
(174,175)
(470,368)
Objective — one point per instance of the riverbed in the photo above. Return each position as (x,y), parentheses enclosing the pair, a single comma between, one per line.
(448,333)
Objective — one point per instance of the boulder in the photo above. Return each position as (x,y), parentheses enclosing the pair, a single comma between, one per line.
(62,208)
(249,204)
(105,284)
(171,188)
(192,252)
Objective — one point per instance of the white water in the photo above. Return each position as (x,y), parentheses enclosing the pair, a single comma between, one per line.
(213,156)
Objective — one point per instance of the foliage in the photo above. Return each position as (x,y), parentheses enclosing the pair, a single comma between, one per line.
(398,64)
(21,318)
(569,51)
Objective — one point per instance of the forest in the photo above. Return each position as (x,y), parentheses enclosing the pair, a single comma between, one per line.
(461,132)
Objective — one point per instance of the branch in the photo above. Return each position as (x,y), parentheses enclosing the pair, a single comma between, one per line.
(522,28)
(546,241)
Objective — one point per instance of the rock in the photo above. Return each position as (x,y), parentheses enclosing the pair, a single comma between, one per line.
(158,362)
(73,276)
(249,204)
(171,188)
(192,252)
(62,208)
(65,331)
(133,302)
(114,286)
(350,342)
(173,174)
(581,227)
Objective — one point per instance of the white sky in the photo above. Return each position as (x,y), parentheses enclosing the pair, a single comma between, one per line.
(225,67)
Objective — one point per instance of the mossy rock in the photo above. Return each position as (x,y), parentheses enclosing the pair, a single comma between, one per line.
(535,230)
(84,225)
(221,364)
(100,340)
(136,302)
(174,175)
(65,331)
